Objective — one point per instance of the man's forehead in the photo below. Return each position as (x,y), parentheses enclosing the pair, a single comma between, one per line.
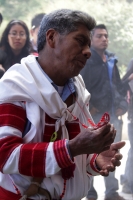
(83,31)
(100,31)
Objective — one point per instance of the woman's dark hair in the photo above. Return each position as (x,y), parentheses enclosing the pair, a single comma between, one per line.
(4,45)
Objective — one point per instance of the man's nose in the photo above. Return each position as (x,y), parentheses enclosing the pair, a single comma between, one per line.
(86,51)
(104,37)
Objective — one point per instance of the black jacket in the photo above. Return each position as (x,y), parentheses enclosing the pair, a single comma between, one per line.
(130,92)
(104,96)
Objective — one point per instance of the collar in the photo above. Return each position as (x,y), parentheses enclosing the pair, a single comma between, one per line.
(68,89)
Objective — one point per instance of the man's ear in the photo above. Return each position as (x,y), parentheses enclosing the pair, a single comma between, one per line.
(51,35)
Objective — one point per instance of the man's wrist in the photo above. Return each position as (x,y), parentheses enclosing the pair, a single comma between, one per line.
(68,148)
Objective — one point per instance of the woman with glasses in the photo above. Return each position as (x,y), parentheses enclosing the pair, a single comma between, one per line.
(15,43)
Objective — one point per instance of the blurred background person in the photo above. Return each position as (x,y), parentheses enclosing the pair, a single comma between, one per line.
(2,70)
(102,80)
(127,177)
(1,18)
(35,24)
(14,44)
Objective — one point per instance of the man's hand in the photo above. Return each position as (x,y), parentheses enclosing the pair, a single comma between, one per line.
(108,160)
(92,141)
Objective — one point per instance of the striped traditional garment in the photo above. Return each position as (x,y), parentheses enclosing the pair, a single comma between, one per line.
(26,94)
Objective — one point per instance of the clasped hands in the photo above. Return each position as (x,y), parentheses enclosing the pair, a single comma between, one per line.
(99,141)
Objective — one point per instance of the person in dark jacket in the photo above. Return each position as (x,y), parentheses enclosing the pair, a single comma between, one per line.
(14,44)
(102,80)
(127,177)
(1,18)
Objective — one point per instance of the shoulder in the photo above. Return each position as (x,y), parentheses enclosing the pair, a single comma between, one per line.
(111,55)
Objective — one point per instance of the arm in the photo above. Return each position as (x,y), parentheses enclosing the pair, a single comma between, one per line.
(122,86)
(32,159)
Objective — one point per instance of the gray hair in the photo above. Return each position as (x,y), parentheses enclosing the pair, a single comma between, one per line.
(63,21)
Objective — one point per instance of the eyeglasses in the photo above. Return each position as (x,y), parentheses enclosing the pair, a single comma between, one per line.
(21,35)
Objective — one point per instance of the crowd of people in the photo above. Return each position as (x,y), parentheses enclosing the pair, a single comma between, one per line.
(15,42)
(61,104)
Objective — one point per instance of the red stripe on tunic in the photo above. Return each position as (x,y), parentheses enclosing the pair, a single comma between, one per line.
(7,145)
(12,115)
(49,128)
(73,129)
(61,154)
(7,195)
(59,146)
(92,163)
(32,159)
(49,120)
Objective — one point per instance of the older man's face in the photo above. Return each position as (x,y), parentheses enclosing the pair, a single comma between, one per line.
(72,51)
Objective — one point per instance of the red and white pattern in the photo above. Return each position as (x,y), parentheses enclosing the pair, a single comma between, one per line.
(34,155)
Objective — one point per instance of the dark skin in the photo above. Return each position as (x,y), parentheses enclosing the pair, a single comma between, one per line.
(66,54)
(94,140)
(113,158)
(62,58)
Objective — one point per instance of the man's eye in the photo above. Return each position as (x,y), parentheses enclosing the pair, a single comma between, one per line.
(99,36)
(81,42)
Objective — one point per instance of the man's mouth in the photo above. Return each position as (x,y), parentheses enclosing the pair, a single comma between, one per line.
(83,62)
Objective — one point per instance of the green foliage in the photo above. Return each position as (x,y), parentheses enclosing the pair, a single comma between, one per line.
(116,15)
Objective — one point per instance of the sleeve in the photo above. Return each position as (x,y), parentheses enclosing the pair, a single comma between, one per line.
(91,165)
(38,159)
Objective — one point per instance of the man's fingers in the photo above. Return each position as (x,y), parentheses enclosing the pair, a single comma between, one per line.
(110,168)
(116,162)
(104,172)
(118,145)
(104,129)
(105,148)
(110,137)
(118,156)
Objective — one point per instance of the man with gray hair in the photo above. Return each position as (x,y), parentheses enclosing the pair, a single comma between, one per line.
(49,143)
